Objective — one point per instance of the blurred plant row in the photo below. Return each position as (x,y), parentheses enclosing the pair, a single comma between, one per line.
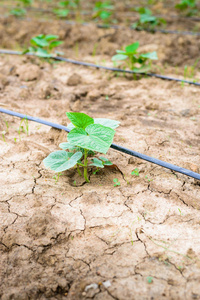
(105,11)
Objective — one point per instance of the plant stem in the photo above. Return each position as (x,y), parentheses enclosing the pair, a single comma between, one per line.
(85,166)
(78,170)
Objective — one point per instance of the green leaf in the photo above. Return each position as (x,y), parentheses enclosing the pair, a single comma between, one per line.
(121,52)
(147,19)
(105,15)
(67,146)
(55,44)
(39,41)
(142,69)
(95,137)
(150,55)
(42,53)
(131,49)
(51,37)
(107,122)
(59,161)
(119,57)
(61,12)
(106,161)
(97,163)
(80,120)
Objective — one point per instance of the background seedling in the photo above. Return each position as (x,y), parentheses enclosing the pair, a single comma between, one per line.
(188,6)
(135,172)
(149,279)
(87,136)
(42,45)
(18,12)
(139,63)
(147,20)
(116,182)
(102,11)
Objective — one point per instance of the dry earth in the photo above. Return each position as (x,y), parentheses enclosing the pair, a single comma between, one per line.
(72,240)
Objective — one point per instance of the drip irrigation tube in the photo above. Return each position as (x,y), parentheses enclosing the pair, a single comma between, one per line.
(3,51)
(113,146)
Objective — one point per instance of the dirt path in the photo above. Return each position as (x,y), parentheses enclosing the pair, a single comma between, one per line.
(72,240)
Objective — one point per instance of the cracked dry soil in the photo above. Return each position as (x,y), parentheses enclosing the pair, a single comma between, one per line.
(64,241)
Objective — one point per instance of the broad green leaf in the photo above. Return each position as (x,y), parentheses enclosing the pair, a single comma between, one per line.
(59,161)
(150,55)
(107,122)
(132,48)
(119,57)
(147,18)
(121,52)
(61,12)
(142,69)
(66,146)
(80,120)
(97,163)
(39,41)
(51,37)
(42,53)
(55,44)
(95,137)
(105,15)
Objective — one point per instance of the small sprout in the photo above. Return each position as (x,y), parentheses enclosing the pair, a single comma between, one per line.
(57,176)
(116,182)
(15,140)
(132,58)
(107,97)
(74,182)
(149,279)
(148,178)
(135,172)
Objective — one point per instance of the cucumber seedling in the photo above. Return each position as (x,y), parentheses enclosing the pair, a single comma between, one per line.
(42,45)
(137,62)
(187,6)
(86,138)
(103,11)
(147,20)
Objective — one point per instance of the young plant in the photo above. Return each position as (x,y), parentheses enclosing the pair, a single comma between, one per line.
(61,12)
(147,20)
(139,63)
(42,45)
(18,12)
(116,182)
(86,137)
(26,2)
(102,11)
(69,3)
(189,6)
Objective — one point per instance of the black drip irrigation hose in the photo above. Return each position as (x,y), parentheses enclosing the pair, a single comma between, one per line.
(3,51)
(113,146)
